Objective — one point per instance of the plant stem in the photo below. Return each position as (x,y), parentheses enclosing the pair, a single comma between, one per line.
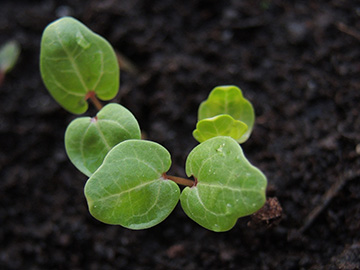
(2,75)
(91,95)
(180,180)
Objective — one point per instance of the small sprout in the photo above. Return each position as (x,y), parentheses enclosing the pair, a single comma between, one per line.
(75,61)
(88,140)
(228,187)
(128,189)
(9,54)
(229,100)
(220,125)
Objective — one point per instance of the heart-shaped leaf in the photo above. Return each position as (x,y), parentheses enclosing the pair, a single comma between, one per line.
(128,189)
(220,125)
(75,61)
(88,140)
(228,186)
(228,100)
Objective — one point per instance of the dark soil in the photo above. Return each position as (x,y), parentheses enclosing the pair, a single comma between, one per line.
(297,61)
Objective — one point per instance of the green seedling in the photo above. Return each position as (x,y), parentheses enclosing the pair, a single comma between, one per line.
(228,186)
(9,54)
(129,188)
(128,183)
(226,100)
(220,125)
(88,140)
(76,64)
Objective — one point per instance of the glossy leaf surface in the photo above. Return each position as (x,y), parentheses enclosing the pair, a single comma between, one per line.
(220,125)
(74,61)
(88,140)
(228,186)
(9,54)
(228,100)
(128,189)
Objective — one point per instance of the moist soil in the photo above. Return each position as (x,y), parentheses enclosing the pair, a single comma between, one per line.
(297,61)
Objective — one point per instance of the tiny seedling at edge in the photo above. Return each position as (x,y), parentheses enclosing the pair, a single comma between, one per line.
(9,54)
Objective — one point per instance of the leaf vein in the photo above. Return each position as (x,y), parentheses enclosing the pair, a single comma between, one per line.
(71,59)
(116,123)
(128,190)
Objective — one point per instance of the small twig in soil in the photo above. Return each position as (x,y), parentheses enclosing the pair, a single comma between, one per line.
(347,30)
(91,95)
(326,199)
(268,216)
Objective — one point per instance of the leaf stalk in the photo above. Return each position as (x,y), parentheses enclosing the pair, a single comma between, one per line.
(179,180)
(2,75)
(91,95)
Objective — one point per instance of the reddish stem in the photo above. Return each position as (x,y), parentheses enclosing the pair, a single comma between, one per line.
(2,76)
(180,180)
(91,95)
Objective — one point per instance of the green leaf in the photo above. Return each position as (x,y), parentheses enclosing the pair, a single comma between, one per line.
(128,189)
(75,61)
(228,100)
(220,125)
(228,186)
(88,140)
(9,54)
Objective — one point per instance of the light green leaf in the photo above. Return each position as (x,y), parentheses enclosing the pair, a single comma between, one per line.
(228,186)
(88,140)
(9,54)
(220,125)
(75,61)
(128,189)
(228,100)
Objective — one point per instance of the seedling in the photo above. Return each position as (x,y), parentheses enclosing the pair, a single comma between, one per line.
(9,54)
(225,113)
(88,140)
(128,183)
(77,64)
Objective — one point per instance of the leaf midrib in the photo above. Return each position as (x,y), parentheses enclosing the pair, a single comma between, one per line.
(228,187)
(72,61)
(128,190)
